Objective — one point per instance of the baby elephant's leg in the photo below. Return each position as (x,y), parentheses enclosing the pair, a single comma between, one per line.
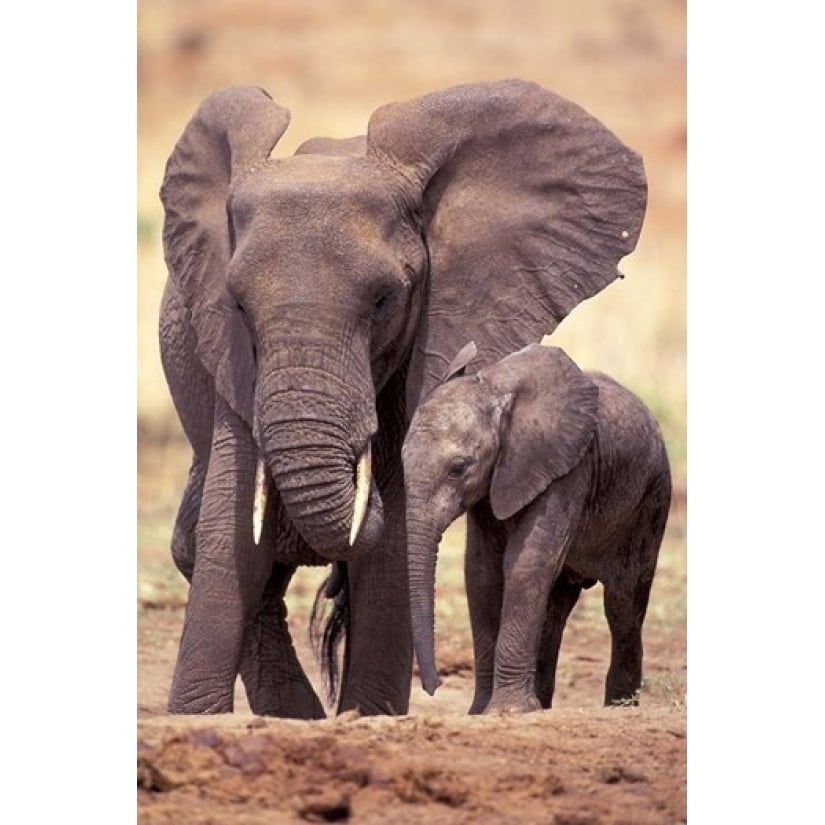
(563,598)
(484,581)
(625,610)
(626,595)
(534,557)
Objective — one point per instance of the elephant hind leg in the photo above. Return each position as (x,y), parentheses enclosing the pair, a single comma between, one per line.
(627,592)
(625,612)
(563,598)
(275,682)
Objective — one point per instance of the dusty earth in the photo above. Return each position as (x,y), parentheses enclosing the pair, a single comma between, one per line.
(332,63)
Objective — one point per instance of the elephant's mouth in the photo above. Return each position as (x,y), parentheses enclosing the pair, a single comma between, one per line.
(362,479)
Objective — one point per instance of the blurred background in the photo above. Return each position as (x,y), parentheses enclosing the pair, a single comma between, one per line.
(332,63)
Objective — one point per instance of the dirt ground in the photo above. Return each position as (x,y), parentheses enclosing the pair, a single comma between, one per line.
(332,63)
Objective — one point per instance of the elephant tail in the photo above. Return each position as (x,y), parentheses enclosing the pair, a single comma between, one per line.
(326,632)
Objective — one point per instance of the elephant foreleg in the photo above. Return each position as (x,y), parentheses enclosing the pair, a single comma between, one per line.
(484,582)
(227,578)
(378,655)
(529,571)
(275,682)
(535,555)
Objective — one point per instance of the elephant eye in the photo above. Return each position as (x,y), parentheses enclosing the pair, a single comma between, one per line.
(246,321)
(381,302)
(457,468)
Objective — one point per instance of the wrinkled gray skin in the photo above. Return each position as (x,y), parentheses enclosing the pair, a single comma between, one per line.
(565,481)
(311,301)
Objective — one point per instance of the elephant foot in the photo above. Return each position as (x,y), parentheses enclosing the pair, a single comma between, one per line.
(288,697)
(512,702)
(480,701)
(296,703)
(622,688)
(278,687)
(622,699)
(192,702)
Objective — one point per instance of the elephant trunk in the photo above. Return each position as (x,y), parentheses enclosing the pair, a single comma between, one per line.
(422,553)
(320,461)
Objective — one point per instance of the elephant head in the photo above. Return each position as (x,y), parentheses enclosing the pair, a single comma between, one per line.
(485,211)
(506,432)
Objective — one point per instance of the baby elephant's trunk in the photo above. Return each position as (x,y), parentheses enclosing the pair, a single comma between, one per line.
(422,553)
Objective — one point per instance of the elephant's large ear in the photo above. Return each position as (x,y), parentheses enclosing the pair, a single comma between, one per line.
(528,205)
(548,428)
(233,131)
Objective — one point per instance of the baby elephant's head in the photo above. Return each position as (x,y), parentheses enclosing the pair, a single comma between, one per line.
(451,449)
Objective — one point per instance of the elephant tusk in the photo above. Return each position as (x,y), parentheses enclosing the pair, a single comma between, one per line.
(363,481)
(259,502)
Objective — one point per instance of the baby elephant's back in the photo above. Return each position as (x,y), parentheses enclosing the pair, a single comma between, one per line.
(629,450)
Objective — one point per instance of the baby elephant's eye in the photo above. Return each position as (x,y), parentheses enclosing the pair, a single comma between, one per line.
(457,468)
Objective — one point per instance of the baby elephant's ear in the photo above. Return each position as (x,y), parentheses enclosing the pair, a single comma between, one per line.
(550,426)
(459,363)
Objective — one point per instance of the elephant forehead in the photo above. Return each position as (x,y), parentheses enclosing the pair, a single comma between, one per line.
(336,217)
(303,191)
(448,420)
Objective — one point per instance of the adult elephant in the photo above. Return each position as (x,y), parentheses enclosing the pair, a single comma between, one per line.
(312,301)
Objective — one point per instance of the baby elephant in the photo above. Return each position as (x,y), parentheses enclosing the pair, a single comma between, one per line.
(565,481)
